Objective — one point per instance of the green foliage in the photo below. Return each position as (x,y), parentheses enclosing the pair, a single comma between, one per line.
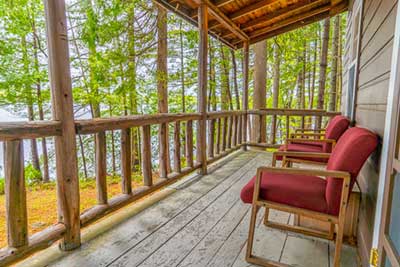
(32,175)
(2,184)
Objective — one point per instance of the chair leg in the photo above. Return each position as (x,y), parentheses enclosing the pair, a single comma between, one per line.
(252,228)
(266,216)
(339,241)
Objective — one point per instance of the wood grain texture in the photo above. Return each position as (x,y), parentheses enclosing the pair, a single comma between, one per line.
(16,211)
(65,145)
(146,156)
(126,167)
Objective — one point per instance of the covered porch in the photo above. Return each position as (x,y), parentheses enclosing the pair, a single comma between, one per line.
(191,215)
(199,221)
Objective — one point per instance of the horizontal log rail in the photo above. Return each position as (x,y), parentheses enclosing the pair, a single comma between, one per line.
(225,135)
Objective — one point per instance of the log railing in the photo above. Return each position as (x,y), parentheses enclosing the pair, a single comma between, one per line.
(225,134)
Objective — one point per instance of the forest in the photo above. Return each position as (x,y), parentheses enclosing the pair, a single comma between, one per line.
(134,57)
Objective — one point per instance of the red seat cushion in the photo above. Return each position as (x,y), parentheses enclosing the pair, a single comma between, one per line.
(303,148)
(301,191)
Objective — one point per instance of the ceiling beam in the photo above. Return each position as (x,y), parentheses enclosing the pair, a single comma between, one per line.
(220,3)
(184,12)
(224,20)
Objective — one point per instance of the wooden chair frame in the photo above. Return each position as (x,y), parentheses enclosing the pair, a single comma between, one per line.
(334,220)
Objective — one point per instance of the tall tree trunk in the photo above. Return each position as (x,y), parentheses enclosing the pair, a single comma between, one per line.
(29,98)
(46,177)
(162,88)
(334,70)
(182,69)
(259,94)
(213,90)
(235,81)
(183,93)
(82,149)
(226,99)
(340,70)
(322,69)
(131,85)
(275,87)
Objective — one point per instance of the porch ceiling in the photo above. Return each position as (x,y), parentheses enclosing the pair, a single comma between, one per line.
(237,21)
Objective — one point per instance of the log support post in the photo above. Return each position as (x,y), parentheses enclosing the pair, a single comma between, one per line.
(177,147)
(101,168)
(245,102)
(146,156)
(126,166)
(16,212)
(189,144)
(202,91)
(65,145)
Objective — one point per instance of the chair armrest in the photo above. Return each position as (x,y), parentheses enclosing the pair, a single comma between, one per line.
(302,130)
(298,154)
(305,140)
(302,135)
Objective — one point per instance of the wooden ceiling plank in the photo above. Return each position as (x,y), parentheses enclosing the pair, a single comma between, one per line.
(291,20)
(270,18)
(295,8)
(251,8)
(220,3)
(333,11)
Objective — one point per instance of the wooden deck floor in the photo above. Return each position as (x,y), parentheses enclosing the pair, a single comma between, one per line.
(203,223)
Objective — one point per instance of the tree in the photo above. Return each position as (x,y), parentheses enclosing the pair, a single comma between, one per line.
(259,93)
(275,86)
(334,70)
(322,69)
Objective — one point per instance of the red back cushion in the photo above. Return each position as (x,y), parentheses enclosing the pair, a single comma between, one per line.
(349,155)
(336,127)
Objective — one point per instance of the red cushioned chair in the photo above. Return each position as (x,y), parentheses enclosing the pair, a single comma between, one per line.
(301,141)
(304,192)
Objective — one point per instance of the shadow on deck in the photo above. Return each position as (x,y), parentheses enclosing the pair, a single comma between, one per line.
(199,221)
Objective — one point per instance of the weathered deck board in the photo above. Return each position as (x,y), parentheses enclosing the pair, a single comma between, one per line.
(204,223)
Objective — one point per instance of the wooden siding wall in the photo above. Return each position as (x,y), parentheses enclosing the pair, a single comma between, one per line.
(379,18)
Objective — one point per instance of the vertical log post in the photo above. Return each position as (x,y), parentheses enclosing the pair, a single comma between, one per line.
(287,126)
(202,93)
(146,156)
(16,212)
(177,148)
(218,146)
(101,168)
(65,145)
(240,128)
(235,128)
(224,130)
(126,168)
(229,143)
(273,129)
(211,133)
(189,144)
(245,102)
